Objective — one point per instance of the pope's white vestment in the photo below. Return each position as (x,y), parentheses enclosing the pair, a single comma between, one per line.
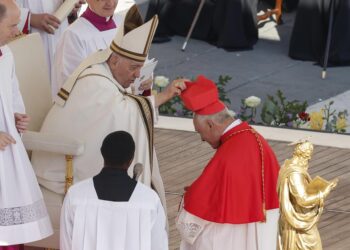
(88,223)
(23,215)
(77,42)
(97,105)
(50,40)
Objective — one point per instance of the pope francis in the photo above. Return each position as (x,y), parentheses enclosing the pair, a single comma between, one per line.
(96,100)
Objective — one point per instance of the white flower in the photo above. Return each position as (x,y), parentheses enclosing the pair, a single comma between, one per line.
(252,101)
(161,81)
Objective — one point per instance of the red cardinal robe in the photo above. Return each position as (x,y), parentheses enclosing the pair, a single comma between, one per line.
(231,188)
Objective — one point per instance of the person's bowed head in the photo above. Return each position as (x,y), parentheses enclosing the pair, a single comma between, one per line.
(211,115)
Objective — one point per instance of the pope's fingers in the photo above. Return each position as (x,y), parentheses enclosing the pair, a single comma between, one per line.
(146,84)
(180,84)
(177,92)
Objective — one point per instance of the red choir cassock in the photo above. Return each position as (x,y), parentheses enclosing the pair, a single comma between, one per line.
(239,182)
(17,247)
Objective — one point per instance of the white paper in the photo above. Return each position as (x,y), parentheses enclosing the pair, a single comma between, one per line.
(145,74)
(65,9)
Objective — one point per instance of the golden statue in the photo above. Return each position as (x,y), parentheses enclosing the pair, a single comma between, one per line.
(301,201)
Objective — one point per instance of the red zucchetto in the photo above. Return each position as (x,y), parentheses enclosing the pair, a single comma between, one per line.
(202,97)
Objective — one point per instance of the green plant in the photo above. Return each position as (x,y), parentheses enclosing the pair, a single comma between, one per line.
(278,111)
(221,83)
(334,122)
(339,122)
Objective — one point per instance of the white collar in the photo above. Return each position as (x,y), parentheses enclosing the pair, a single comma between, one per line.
(232,125)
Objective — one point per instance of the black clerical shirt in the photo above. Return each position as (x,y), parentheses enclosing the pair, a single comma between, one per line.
(113,184)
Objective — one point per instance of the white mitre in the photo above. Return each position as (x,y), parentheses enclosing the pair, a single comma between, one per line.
(133,41)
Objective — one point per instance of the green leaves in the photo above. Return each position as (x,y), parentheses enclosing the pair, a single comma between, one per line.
(278,111)
(175,107)
(222,81)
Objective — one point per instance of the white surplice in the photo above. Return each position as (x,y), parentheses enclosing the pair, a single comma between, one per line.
(23,215)
(199,234)
(50,40)
(88,223)
(78,41)
(96,107)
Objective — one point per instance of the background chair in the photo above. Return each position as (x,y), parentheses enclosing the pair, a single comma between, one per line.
(33,77)
(275,11)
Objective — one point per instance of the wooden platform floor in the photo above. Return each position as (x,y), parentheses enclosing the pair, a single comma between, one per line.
(182,157)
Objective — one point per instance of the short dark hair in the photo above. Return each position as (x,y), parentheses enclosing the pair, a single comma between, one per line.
(2,11)
(118,149)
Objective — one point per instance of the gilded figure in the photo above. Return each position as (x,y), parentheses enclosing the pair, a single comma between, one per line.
(301,201)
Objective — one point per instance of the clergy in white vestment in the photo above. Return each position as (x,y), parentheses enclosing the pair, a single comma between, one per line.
(37,16)
(94,30)
(23,215)
(233,204)
(112,210)
(94,102)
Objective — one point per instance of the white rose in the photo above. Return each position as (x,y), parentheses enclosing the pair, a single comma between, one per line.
(252,101)
(161,81)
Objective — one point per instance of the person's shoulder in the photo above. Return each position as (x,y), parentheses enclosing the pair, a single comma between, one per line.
(96,70)
(79,27)
(6,51)
(80,188)
(146,192)
(118,18)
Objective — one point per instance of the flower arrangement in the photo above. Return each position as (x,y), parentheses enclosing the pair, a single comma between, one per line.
(276,110)
(329,120)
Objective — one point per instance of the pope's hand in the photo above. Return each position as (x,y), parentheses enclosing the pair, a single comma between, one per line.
(5,140)
(173,89)
(146,85)
(22,121)
(44,22)
(176,87)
